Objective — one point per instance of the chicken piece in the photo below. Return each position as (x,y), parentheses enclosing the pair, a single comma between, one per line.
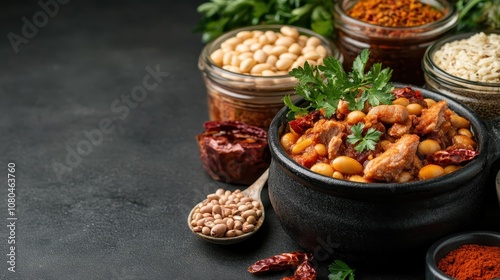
(342,109)
(432,119)
(328,132)
(388,114)
(334,146)
(397,157)
(308,158)
(399,129)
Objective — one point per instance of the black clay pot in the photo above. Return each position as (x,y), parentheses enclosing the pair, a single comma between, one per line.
(365,222)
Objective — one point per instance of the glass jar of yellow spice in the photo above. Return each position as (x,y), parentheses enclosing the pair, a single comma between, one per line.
(397,32)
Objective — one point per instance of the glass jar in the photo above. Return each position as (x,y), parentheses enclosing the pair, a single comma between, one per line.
(251,99)
(399,48)
(484,98)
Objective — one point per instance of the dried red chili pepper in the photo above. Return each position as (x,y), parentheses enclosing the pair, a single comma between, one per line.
(457,156)
(279,262)
(305,271)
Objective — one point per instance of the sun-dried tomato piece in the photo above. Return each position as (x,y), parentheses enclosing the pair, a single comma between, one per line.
(414,96)
(279,262)
(233,152)
(457,156)
(300,125)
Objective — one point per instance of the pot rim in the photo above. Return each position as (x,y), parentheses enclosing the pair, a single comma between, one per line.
(337,187)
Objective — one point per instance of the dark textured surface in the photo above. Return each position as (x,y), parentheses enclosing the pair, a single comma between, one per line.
(118,212)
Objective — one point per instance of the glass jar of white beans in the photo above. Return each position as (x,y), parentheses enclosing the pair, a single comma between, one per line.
(466,67)
(246,71)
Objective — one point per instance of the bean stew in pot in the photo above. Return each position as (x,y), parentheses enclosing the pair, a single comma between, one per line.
(396,136)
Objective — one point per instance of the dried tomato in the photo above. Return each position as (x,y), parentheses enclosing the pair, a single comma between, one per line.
(234,152)
(301,124)
(407,92)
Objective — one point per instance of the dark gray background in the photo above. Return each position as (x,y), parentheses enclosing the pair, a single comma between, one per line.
(119,213)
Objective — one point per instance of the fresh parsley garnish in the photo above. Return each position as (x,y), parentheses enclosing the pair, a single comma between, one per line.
(366,142)
(339,270)
(323,86)
(311,85)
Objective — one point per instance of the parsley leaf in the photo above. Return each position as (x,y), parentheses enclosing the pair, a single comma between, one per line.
(323,86)
(361,142)
(339,270)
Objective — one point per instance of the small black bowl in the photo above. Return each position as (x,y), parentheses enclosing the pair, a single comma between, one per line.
(442,247)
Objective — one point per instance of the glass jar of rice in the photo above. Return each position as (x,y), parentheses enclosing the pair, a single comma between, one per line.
(466,67)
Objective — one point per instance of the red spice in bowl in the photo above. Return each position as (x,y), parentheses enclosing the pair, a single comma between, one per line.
(465,256)
(472,261)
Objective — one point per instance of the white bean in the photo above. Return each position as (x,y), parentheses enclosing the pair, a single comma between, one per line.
(313,41)
(313,55)
(272,59)
(233,41)
(255,47)
(283,63)
(271,36)
(244,34)
(284,41)
(245,55)
(242,48)
(226,59)
(250,41)
(288,55)
(268,73)
(260,56)
(217,57)
(258,68)
(246,65)
(277,50)
(289,31)
(295,48)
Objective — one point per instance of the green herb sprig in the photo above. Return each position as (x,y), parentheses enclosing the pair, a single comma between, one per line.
(366,142)
(339,270)
(323,86)
(478,15)
(219,16)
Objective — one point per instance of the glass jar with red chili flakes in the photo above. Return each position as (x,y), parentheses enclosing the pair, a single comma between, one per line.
(397,32)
